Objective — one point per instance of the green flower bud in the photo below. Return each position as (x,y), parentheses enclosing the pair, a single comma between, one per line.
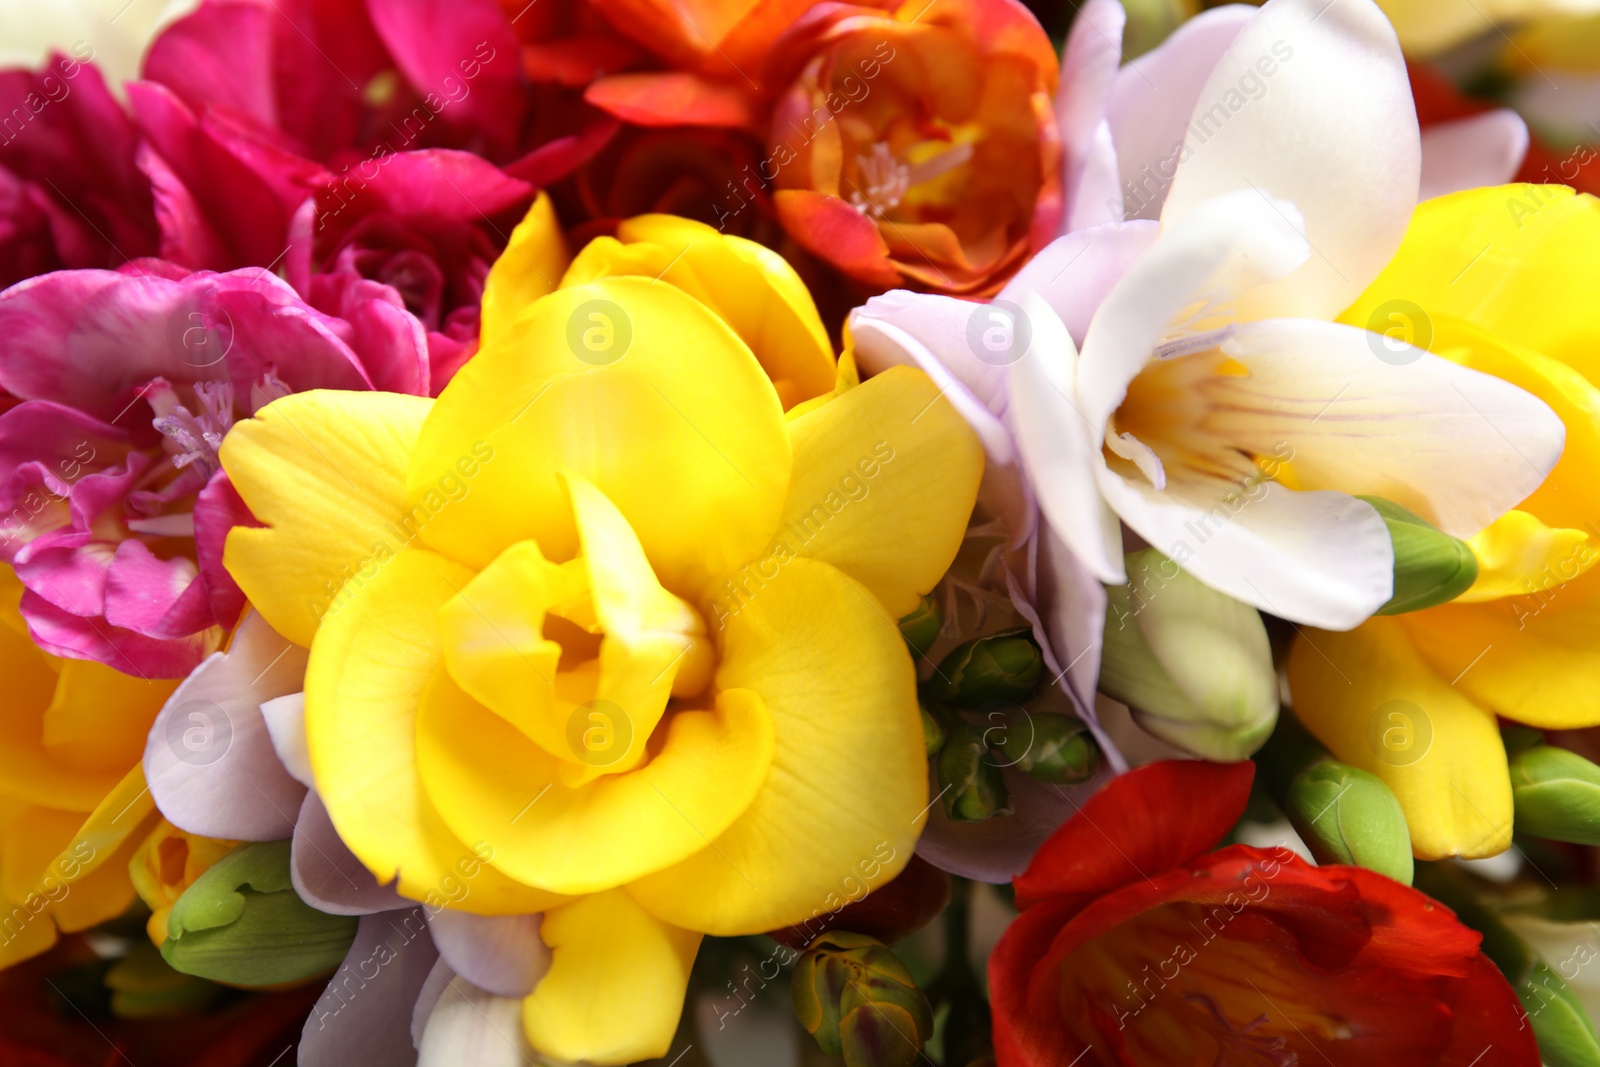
(1557,795)
(858,1000)
(242,922)
(1345,815)
(989,672)
(1192,664)
(1430,566)
(969,779)
(932,733)
(921,627)
(1052,748)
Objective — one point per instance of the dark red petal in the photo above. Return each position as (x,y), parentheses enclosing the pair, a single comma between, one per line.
(1142,823)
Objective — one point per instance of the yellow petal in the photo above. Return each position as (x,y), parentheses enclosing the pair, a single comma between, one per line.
(842,804)
(494,647)
(884,481)
(1518,555)
(655,644)
(1369,697)
(1569,497)
(1533,658)
(749,286)
(71,728)
(530,267)
(696,461)
(615,988)
(490,782)
(1518,261)
(100,717)
(325,471)
(365,678)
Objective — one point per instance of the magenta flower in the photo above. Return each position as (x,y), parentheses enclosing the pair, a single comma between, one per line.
(70,192)
(113,509)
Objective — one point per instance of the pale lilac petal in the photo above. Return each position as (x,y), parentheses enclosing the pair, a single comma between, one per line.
(286,723)
(469,1025)
(1072,607)
(1153,99)
(1060,444)
(1076,272)
(432,990)
(209,759)
(325,872)
(363,1016)
(501,954)
(1470,153)
(1089,160)
(1333,130)
(945,327)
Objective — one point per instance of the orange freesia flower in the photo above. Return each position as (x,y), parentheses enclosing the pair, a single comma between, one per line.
(907,146)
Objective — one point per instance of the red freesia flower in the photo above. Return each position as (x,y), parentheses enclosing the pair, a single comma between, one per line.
(1138,946)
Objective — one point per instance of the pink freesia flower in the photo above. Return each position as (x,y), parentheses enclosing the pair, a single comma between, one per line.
(114,506)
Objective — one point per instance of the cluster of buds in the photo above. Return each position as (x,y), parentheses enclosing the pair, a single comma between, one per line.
(977,719)
(860,1002)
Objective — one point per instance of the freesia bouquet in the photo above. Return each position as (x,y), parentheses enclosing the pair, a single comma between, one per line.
(599,532)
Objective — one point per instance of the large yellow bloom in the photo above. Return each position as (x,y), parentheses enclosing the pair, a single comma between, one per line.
(1501,280)
(73,806)
(604,615)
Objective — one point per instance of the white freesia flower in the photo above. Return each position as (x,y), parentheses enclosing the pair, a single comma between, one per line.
(1186,376)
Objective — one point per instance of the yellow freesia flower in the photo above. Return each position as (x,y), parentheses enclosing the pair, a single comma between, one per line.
(73,805)
(602,615)
(1501,280)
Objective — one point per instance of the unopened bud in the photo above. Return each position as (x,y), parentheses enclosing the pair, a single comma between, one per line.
(241,922)
(1345,815)
(1049,747)
(858,1000)
(1193,665)
(989,672)
(1556,794)
(1430,566)
(969,779)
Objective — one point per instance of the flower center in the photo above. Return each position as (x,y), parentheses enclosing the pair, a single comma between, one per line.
(884,179)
